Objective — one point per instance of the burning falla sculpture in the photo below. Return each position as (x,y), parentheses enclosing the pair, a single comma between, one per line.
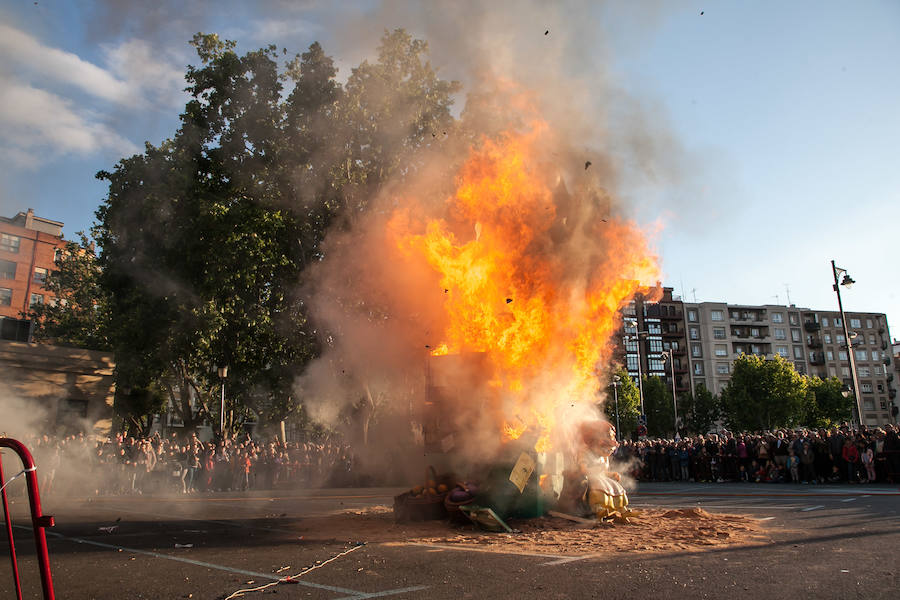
(594,485)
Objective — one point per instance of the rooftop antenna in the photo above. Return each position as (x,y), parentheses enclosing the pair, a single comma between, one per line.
(787,289)
(777,299)
(694,294)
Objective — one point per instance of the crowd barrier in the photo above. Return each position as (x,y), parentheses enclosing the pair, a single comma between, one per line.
(39,521)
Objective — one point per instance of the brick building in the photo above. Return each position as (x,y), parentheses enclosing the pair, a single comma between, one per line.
(28,246)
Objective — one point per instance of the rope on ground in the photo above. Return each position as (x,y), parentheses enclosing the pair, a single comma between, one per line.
(16,476)
(291,578)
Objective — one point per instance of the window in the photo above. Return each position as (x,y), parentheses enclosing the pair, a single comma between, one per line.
(883,404)
(839,338)
(692,315)
(782,351)
(871,339)
(795,335)
(722,368)
(40,275)
(862,355)
(868,323)
(879,370)
(698,368)
(780,334)
(5,297)
(829,355)
(800,368)
(864,371)
(832,372)
(756,349)
(827,338)
(696,350)
(798,352)
(794,319)
(837,322)
(654,328)
(868,404)
(36,299)
(845,371)
(10,243)
(866,388)
(656,345)
(721,350)
(675,345)
(855,323)
(880,387)
(695,333)
(824,321)
(735,315)
(719,333)
(777,318)
(842,355)
(631,346)
(754,332)
(7,269)
(716,315)
(656,364)
(874,354)
(699,382)
(632,362)
(738,349)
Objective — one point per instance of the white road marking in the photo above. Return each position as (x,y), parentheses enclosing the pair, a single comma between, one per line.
(765,518)
(353,594)
(849,499)
(809,508)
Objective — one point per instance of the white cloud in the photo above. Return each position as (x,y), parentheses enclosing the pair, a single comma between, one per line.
(138,65)
(37,123)
(28,54)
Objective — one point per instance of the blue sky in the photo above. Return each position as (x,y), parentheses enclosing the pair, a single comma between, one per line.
(775,124)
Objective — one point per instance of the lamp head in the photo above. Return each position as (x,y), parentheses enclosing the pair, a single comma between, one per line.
(847,281)
(223,372)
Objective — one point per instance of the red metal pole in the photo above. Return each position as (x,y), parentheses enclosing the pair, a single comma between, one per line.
(9,535)
(39,520)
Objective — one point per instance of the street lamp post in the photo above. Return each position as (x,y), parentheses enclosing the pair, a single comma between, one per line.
(670,356)
(847,281)
(223,374)
(615,384)
(637,338)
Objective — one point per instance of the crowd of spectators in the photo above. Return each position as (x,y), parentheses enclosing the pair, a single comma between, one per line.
(804,456)
(157,464)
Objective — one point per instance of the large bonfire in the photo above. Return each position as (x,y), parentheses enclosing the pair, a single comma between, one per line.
(533,275)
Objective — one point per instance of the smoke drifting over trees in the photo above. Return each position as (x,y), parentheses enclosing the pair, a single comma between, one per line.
(257,235)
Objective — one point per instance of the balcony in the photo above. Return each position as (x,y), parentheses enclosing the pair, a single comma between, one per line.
(816,358)
(814,343)
(811,326)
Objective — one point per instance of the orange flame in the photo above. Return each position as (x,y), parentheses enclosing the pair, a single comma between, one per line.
(539,294)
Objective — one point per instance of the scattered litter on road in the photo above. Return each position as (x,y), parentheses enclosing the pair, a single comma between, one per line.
(844,571)
(110,529)
(184,545)
(283,569)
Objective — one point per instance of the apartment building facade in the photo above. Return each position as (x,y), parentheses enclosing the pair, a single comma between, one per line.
(654,335)
(28,247)
(814,341)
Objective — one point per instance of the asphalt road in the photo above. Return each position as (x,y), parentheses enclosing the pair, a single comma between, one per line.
(827,542)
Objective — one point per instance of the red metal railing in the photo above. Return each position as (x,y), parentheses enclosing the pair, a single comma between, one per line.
(39,521)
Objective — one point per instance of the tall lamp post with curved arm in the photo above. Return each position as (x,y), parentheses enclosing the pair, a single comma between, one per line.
(668,355)
(637,337)
(847,281)
(615,383)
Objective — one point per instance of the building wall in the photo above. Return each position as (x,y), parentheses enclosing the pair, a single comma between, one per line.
(30,243)
(66,389)
(718,333)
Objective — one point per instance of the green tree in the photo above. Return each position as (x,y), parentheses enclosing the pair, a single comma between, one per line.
(763,394)
(78,316)
(206,237)
(826,404)
(701,411)
(629,403)
(659,408)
